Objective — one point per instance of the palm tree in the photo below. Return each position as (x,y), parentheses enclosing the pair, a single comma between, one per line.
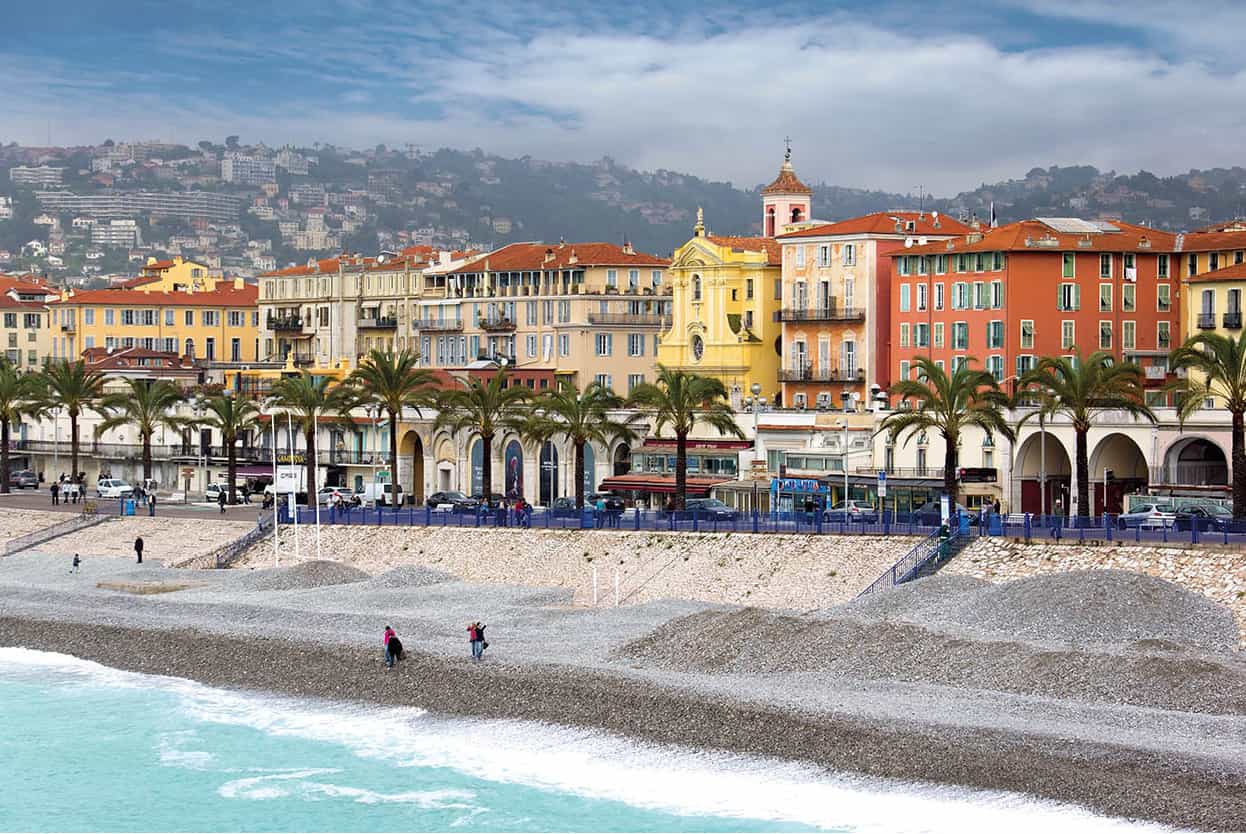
(483,409)
(1219,363)
(231,416)
(582,419)
(683,400)
(949,405)
(74,387)
(1081,388)
(19,395)
(307,398)
(394,381)
(147,406)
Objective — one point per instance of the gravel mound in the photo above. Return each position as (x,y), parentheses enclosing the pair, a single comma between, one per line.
(411,576)
(1172,649)
(314,574)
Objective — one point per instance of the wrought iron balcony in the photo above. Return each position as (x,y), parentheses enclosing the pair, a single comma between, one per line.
(827,312)
(633,319)
(812,374)
(438,325)
(1206,321)
(379,323)
(285,323)
(1233,320)
(496,325)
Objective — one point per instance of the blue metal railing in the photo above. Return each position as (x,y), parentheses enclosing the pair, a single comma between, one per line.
(931,548)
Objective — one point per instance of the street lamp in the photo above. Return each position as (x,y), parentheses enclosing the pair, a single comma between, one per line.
(374,413)
(755,390)
(266,408)
(56,442)
(200,457)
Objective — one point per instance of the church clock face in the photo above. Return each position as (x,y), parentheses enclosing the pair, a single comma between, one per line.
(698,348)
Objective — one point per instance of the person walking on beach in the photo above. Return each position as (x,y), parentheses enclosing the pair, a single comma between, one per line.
(138,549)
(476,636)
(393,647)
(77,562)
(56,491)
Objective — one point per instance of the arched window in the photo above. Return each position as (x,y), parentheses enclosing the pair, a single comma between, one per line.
(797,214)
(770,222)
(696,287)
(190,348)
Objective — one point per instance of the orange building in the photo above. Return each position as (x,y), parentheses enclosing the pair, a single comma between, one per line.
(837,302)
(1042,287)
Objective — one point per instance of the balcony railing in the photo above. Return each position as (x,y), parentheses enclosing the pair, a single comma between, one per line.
(1233,320)
(1206,321)
(499,325)
(819,374)
(632,319)
(68,327)
(134,451)
(438,325)
(932,472)
(828,312)
(380,323)
(285,323)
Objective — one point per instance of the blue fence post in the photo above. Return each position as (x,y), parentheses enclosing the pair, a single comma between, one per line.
(755,520)
(1164,534)
(1027,527)
(478,514)
(696,520)
(637,518)
(1138,533)
(1081,530)
(1107,527)
(428,515)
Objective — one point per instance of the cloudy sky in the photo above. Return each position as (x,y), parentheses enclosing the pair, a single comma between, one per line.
(881,94)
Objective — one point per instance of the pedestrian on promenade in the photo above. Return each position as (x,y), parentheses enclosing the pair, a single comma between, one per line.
(393,647)
(77,562)
(138,549)
(56,491)
(151,504)
(220,499)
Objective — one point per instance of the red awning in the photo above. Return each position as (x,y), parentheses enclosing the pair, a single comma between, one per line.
(642,482)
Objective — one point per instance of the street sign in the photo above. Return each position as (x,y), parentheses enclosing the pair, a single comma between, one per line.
(188,471)
(382,475)
(882,483)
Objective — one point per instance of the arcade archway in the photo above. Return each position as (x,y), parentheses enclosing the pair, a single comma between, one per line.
(1042,458)
(411,466)
(1119,454)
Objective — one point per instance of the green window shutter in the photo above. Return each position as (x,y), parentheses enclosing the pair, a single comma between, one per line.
(1077,297)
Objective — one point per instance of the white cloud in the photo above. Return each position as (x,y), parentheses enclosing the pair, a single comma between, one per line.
(865,105)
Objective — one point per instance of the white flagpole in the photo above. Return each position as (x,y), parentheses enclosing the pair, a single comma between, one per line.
(315,488)
(294,503)
(276,554)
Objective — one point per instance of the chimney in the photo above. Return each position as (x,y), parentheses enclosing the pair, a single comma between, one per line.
(627,248)
(935,219)
(573,259)
(549,255)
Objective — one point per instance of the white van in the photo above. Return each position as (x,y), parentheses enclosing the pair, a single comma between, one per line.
(382,494)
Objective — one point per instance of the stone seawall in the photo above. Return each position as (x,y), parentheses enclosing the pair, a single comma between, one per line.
(774,571)
(1217,573)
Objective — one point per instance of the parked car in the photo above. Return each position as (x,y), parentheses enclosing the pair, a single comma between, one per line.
(1205,517)
(709,509)
(328,495)
(1147,516)
(563,508)
(495,500)
(113,488)
(614,503)
(861,512)
(930,514)
(452,501)
(24,479)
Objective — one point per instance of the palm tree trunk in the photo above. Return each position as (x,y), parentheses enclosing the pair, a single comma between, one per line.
(231,468)
(146,455)
(73,444)
(4,456)
(309,436)
(579,474)
(1083,474)
(486,466)
(681,470)
(393,452)
(950,460)
(1239,466)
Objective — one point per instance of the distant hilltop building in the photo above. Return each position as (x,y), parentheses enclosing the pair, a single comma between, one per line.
(247,170)
(189,204)
(42,175)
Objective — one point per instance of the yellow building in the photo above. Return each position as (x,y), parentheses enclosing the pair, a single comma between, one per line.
(726,291)
(219,325)
(174,275)
(1213,302)
(26,338)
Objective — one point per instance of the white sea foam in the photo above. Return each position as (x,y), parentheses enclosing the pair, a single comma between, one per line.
(301,784)
(173,753)
(593,765)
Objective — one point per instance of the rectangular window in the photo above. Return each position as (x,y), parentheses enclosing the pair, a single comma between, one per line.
(904,298)
(564,344)
(748,289)
(1069,297)
(128,317)
(237,318)
(603,380)
(10,320)
(209,351)
(635,344)
(168,317)
(255,318)
(655,276)
(995,334)
(1162,340)
(1129,298)
(211,318)
(633,380)
(923,291)
(800,256)
(530,312)
(235,350)
(921,335)
(633,279)
(979,295)
(938,334)
(110,316)
(904,335)
(997,295)
(1192,265)
(1068,334)
(88,315)
(1161,266)
(547,312)
(1105,265)
(564,311)
(1129,330)
(824,255)
(1105,335)
(938,292)
(1027,334)
(1234,302)
(190,318)
(960,296)
(1025,364)
(850,254)
(1213,261)
(960,335)
(1105,298)
(612,278)
(940,264)
(1163,298)
(997,261)
(995,364)
(605,344)
(149,317)
(958,265)
(979,262)
(959,362)
(530,344)
(1068,265)
(904,369)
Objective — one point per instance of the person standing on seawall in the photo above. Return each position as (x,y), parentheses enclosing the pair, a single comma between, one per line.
(138,549)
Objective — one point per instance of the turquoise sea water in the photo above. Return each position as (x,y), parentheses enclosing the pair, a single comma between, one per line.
(84,747)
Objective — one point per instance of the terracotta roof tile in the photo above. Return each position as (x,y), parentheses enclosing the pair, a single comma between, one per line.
(772,248)
(884,223)
(8,302)
(1037,236)
(787,182)
(222,296)
(516,257)
(1237,272)
(1213,241)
